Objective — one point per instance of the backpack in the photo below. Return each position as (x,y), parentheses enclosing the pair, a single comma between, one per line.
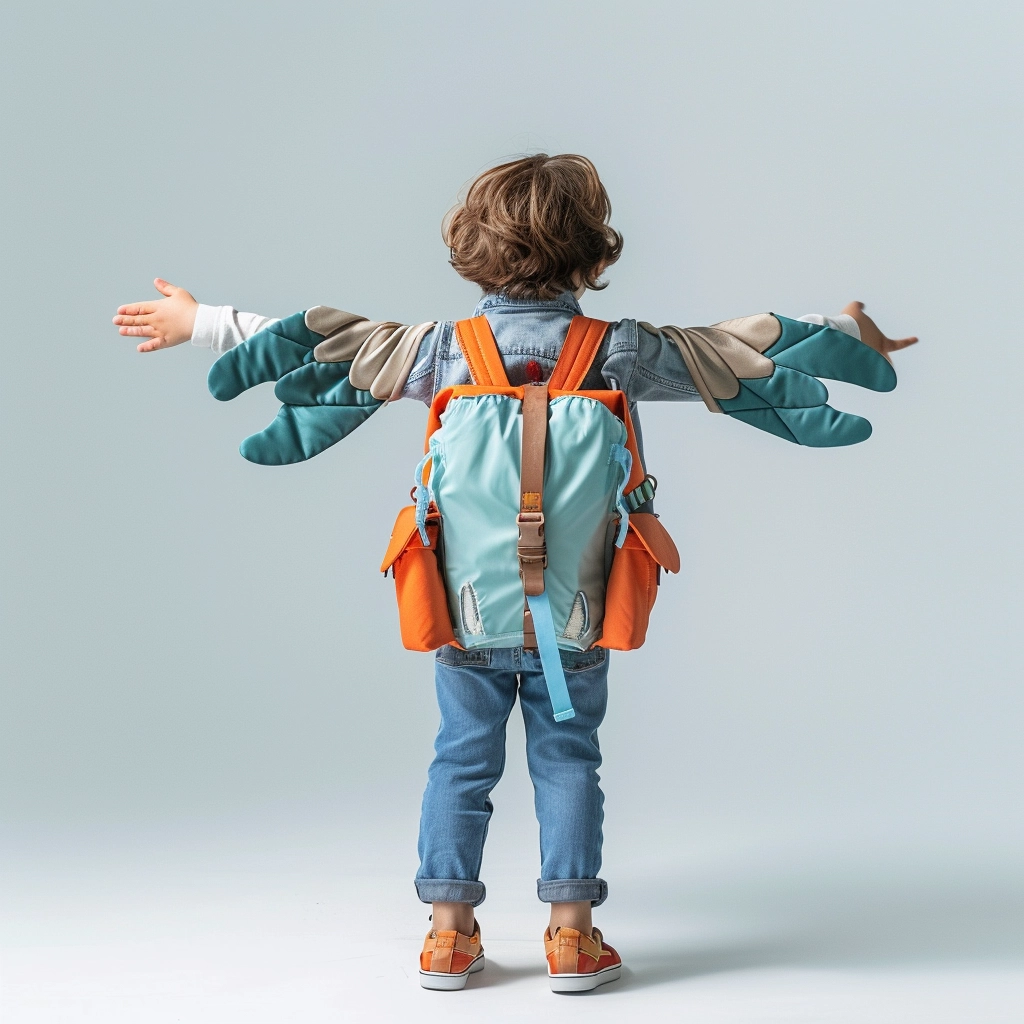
(523,529)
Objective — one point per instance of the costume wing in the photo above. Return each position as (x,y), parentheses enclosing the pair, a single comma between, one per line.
(763,370)
(333,371)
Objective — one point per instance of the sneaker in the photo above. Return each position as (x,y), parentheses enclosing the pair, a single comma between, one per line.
(578,962)
(449,958)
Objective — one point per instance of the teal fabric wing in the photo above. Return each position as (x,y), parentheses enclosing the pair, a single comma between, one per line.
(320,405)
(835,355)
(792,403)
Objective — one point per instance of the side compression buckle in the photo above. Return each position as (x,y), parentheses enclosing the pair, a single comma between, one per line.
(642,493)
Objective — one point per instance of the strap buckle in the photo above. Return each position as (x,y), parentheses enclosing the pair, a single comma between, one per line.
(532,549)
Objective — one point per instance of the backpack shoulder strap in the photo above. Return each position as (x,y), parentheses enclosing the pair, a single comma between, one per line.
(476,339)
(578,351)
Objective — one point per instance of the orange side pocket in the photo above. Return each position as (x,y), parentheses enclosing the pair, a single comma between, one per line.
(633,582)
(422,602)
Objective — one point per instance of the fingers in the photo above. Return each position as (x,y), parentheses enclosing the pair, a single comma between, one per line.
(158,341)
(153,344)
(134,321)
(895,344)
(136,309)
(165,287)
(138,332)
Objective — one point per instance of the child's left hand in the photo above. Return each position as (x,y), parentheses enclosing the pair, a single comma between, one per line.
(872,336)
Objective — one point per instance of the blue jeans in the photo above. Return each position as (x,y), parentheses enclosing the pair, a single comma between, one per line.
(476,691)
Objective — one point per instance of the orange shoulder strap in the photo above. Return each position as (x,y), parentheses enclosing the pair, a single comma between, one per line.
(476,339)
(577,355)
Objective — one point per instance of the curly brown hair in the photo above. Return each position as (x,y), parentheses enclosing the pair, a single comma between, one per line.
(534,228)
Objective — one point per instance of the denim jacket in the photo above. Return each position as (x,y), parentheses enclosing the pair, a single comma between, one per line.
(646,366)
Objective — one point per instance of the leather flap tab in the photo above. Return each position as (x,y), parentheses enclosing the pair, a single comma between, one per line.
(656,539)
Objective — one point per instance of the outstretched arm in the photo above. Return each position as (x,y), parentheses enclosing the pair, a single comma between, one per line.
(333,370)
(764,370)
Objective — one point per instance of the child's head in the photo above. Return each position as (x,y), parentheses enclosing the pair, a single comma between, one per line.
(534,228)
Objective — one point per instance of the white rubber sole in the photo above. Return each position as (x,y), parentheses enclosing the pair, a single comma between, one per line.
(584,982)
(441,982)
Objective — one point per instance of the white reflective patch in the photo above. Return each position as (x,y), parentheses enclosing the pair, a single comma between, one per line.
(579,618)
(471,621)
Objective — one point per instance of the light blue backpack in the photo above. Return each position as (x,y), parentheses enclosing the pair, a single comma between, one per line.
(521,532)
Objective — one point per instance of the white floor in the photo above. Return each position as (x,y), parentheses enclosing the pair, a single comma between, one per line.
(323,932)
(238,979)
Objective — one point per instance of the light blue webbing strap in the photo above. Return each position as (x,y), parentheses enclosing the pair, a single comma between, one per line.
(547,647)
(422,501)
(620,454)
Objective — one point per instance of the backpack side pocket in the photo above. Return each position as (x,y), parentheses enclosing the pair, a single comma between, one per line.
(422,601)
(633,582)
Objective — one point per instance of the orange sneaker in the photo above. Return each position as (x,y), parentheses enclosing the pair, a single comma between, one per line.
(578,962)
(449,958)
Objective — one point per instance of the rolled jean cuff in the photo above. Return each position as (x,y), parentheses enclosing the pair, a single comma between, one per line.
(573,890)
(451,890)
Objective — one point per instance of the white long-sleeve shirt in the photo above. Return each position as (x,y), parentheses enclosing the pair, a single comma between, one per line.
(223,327)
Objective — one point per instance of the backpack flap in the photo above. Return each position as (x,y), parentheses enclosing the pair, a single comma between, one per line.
(422,603)
(405,527)
(656,539)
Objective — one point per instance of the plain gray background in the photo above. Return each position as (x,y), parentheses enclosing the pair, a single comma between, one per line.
(201,659)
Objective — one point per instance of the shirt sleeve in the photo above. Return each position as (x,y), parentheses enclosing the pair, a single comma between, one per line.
(840,322)
(222,328)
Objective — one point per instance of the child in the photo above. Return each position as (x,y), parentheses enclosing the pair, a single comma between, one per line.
(534,235)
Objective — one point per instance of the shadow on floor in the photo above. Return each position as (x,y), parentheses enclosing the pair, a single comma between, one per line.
(844,928)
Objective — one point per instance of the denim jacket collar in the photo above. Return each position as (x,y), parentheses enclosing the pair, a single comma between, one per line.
(566,301)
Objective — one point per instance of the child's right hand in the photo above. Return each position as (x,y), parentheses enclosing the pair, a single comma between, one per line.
(872,336)
(163,322)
